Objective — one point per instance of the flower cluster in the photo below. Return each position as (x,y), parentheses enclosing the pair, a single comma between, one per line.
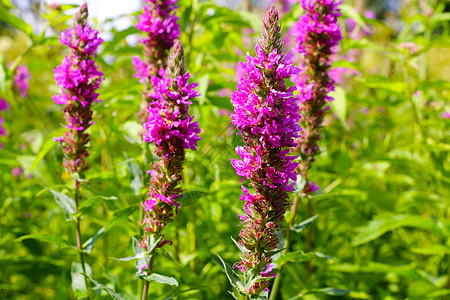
(316,35)
(79,78)
(266,115)
(21,78)
(170,127)
(4,105)
(159,22)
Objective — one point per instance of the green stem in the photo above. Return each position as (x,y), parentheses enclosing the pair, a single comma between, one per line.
(277,282)
(146,288)
(309,235)
(192,19)
(76,186)
(407,80)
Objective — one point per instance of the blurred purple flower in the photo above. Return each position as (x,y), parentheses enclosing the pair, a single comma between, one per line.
(17,172)
(21,79)
(355,32)
(4,105)
(446,115)
(317,34)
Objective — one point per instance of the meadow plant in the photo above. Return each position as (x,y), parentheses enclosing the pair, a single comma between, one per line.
(79,78)
(317,33)
(4,105)
(172,130)
(159,22)
(266,115)
(316,36)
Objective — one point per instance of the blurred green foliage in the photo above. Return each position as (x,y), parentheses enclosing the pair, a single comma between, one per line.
(384,225)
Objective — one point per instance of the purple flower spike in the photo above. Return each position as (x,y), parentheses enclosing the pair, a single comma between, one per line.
(170,127)
(79,78)
(316,35)
(21,78)
(159,23)
(266,115)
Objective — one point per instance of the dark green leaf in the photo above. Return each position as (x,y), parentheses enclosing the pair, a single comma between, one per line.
(94,202)
(299,227)
(234,279)
(120,215)
(7,17)
(162,279)
(66,203)
(89,244)
(46,146)
(240,246)
(110,291)
(300,256)
(331,291)
(383,224)
(46,238)
(78,281)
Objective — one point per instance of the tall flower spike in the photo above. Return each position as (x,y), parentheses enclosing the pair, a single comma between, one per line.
(79,78)
(316,35)
(170,127)
(266,115)
(159,22)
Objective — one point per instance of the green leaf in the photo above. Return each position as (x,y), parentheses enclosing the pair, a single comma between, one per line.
(110,291)
(46,146)
(78,282)
(118,37)
(408,271)
(252,18)
(331,291)
(350,12)
(46,238)
(233,278)
(233,295)
(120,215)
(7,17)
(136,177)
(339,105)
(7,4)
(383,83)
(432,250)
(300,256)
(162,279)
(66,203)
(240,246)
(221,102)
(442,17)
(94,202)
(136,246)
(89,244)
(202,88)
(382,224)
(299,184)
(153,242)
(2,78)
(299,227)
(136,256)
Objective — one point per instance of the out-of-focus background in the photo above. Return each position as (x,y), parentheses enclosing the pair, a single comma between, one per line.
(383,230)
